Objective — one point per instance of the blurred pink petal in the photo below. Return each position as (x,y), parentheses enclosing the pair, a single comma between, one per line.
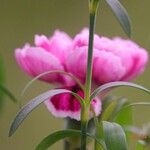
(60,44)
(48,54)
(35,60)
(66,105)
(113,59)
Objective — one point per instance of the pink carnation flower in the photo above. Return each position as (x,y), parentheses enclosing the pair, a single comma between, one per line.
(113,59)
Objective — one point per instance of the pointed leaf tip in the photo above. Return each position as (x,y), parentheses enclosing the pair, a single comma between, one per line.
(121,15)
(115,137)
(24,112)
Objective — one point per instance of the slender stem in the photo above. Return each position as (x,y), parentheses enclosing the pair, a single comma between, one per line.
(72,143)
(84,123)
(90,55)
(93,5)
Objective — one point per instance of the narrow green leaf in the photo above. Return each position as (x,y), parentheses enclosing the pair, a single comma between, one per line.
(107,113)
(5,91)
(1,71)
(107,100)
(124,117)
(59,135)
(99,131)
(22,114)
(99,126)
(121,102)
(136,104)
(52,72)
(140,145)
(116,114)
(121,15)
(115,137)
(109,85)
(124,114)
(1,81)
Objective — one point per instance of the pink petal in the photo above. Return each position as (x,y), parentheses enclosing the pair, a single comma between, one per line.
(82,39)
(42,41)
(132,56)
(60,45)
(65,105)
(35,61)
(107,67)
(76,63)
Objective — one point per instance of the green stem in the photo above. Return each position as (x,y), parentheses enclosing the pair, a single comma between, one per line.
(90,55)
(84,123)
(72,143)
(93,5)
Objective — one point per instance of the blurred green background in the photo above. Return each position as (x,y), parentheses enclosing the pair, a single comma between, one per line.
(20,20)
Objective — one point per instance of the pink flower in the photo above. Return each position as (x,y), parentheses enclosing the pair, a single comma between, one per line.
(66,105)
(46,55)
(113,59)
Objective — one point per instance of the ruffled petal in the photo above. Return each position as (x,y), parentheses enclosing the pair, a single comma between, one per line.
(66,105)
(35,60)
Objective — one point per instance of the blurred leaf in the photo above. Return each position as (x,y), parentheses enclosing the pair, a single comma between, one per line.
(136,104)
(115,137)
(1,81)
(123,116)
(109,85)
(117,114)
(107,100)
(59,135)
(107,113)
(1,71)
(5,91)
(138,133)
(22,114)
(140,145)
(121,15)
(52,72)
(99,131)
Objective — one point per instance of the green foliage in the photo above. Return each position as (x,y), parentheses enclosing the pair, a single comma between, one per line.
(121,14)
(59,135)
(140,145)
(3,89)
(22,114)
(1,82)
(115,137)
(49,73)
(107,113)
(110,85)
(112,112)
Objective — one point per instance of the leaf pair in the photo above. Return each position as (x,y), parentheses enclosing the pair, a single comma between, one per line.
(114,137)
(23,113)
